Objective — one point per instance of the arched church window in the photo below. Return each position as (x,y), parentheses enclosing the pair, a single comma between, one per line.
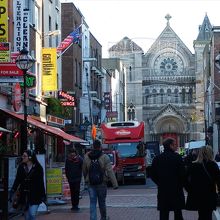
(176,95)
(154,94)
(161,96)
(183,96)
(147,96)
(169,95)
(190,95)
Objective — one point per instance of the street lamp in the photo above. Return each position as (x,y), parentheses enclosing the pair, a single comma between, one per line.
(24,62)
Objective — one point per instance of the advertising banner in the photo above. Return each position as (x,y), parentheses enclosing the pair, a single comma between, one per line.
(4,21)
(49,69)
(54,181)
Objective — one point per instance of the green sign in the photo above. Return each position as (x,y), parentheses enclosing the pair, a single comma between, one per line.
(30,81)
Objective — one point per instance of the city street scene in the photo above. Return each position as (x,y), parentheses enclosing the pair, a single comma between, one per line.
(109,96)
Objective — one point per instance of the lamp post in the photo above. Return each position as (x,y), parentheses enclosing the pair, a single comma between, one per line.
(24,62)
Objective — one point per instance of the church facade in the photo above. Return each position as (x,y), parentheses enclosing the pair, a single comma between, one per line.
(164,86)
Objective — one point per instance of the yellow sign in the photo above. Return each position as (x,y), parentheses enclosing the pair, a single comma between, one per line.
(54,181)
(49,69)
(4,21)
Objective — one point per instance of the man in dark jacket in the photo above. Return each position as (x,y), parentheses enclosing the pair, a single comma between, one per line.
(73,169)
(168,173)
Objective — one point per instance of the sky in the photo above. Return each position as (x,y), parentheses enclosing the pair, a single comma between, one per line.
(144,20)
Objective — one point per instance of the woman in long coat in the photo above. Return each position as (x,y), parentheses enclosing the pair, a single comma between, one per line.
(30,179)
(203,177)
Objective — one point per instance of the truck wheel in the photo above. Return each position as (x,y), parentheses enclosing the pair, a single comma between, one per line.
(143,181)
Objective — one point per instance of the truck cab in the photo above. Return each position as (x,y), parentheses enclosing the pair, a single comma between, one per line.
(127,139)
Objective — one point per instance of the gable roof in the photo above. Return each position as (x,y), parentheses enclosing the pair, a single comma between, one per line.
(126,45)
(168,35)
(169,109)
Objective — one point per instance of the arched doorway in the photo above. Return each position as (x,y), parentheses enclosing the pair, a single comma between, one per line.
(171,126)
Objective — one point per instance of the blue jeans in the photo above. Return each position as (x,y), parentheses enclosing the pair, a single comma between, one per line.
(31,212)
(97,192)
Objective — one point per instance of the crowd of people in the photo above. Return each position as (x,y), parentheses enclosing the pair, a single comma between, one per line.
(95,167)
(198,175)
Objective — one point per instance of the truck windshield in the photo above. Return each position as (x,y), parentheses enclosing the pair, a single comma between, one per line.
(127,149)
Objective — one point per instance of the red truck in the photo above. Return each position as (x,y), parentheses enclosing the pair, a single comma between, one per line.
(127,138)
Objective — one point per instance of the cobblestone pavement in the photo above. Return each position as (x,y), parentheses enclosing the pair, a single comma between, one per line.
(124,203)
(130,202)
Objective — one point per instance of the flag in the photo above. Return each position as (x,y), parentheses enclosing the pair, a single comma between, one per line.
(73,38)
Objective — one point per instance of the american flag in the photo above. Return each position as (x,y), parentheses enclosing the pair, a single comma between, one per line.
(73,38)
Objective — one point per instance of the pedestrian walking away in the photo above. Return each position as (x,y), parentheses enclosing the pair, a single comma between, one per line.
(203,179)
(30,181)
(168,172)
(73,170)
(97,170)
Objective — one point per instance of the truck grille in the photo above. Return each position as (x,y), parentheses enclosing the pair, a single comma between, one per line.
(131,168)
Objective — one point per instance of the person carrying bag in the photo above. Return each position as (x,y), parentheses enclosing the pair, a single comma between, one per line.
(203,184)
(30,182)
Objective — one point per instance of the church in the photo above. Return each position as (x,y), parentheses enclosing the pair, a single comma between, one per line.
(164,86)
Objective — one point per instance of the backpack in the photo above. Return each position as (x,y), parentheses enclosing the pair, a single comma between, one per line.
(96,173)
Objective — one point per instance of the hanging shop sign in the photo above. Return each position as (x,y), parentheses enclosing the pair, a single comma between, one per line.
(66,99)
(5,52)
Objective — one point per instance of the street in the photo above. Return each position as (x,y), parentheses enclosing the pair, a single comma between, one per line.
(132,202)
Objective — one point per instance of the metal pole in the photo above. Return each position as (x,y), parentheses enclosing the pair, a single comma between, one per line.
(24,147)
(89,98)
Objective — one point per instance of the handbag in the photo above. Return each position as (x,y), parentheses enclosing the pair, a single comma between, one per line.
(16,201)
(217,194)
(17,197)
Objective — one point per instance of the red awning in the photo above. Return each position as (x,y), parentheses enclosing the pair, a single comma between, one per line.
(50,129)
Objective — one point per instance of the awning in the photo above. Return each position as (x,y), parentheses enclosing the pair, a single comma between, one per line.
(50,129)
(4,130)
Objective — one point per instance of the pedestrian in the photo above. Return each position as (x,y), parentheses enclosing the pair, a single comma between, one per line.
(168,172)
(97,170)
(30,181)
(192,156)
(217,156)
(73,170)
(203,180)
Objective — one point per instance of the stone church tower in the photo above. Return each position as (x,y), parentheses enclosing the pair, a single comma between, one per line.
(161,85)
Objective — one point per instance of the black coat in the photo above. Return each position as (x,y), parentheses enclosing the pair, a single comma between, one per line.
(202,188)
(73,169)
(168,173)
(32,184)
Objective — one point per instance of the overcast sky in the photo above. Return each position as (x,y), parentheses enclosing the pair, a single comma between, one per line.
(144,20)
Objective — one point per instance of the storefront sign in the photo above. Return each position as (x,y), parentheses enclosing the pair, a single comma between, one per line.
(4,21)
(66,99)
(5,52)
(54,181)
(10,69)
(112,114)
(21,26)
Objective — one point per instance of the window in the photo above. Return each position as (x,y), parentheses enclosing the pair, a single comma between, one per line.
(176,95)
(37,17)
(161,96)
(154,92)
